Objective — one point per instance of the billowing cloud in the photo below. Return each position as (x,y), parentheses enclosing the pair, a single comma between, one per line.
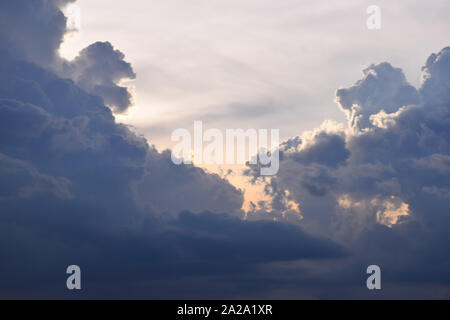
(34,30)
(380,186)
(98,69)
(382,88)
(436,79)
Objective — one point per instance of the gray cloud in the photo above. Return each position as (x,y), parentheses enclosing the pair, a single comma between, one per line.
(19,180)
(98,69)
(32,30)
(352,186)
(436,79)
(382,88)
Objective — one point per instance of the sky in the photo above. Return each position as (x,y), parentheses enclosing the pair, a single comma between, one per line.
(245,64)
(86,177)
(252,64)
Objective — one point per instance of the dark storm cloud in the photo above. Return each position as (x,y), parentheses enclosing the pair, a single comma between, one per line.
(78,188)
(32,30)
(124,258)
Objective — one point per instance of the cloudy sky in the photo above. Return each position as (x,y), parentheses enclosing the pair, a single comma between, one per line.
(254,63)
(86,118)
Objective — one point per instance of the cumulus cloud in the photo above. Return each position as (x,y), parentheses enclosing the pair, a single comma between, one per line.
(436,79)
(383,88)
(380,188)
(99,69)
(34,30)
